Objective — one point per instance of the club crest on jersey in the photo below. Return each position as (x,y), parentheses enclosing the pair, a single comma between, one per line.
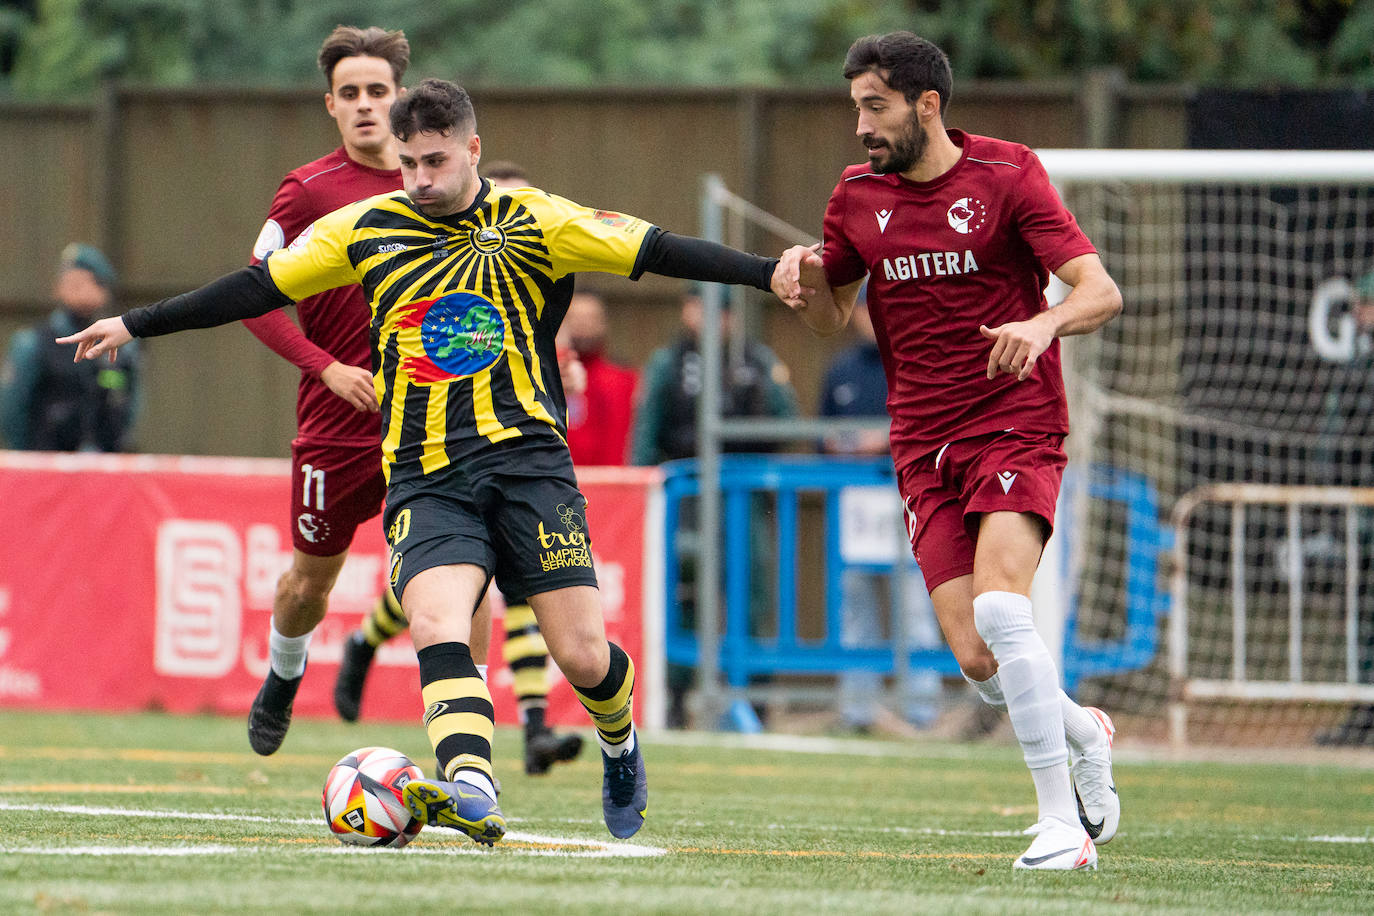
(454,336)
(966,214)
(883,216)
(488,239)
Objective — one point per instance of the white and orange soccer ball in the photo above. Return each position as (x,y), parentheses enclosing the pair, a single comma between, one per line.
(362,798)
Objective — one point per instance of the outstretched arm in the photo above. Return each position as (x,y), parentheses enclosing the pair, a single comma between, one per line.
(671,255)
(245,293)
(1093,301)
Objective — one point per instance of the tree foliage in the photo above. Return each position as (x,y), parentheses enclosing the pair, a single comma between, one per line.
(57,49)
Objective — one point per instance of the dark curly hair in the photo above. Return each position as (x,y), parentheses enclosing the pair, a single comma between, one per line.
(434,106)
(907,62)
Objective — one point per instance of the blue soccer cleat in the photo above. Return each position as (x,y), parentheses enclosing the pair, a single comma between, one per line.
(624,792)
(456,805)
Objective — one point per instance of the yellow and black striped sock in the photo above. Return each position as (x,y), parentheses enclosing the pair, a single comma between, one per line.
(386,620)
(458,714)
(610,704)
(527,655)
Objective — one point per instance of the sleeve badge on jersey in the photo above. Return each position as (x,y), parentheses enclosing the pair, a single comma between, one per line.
(303,238)
(611,218)
(269,239)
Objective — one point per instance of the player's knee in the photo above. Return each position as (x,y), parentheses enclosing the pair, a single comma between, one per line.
(584,662)
(999,615)
(978,666)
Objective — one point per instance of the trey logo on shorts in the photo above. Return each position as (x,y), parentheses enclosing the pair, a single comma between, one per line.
(568,547)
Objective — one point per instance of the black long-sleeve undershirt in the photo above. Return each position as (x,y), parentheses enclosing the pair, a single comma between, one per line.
(246,293)
(250,292)
(688,258)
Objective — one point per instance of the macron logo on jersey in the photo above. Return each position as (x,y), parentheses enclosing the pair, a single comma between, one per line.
(925,264)
(883,216)
(1006,479)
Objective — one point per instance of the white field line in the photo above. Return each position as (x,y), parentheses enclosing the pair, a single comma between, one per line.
(606,852)
(593,848)
(96,811)
(164,851)
(552,845)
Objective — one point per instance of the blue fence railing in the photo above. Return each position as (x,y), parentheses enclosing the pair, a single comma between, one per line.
(775,645)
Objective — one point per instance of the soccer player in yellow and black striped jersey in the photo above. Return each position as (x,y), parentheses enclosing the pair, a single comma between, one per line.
(480,482)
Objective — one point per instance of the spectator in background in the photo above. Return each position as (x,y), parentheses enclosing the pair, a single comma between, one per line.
(599,417)
(665,424)
(665,428)
(48,402)
(1357,729)
(856,386)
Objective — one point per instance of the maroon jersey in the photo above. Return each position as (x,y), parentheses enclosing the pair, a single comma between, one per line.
(334,324)
(974,246)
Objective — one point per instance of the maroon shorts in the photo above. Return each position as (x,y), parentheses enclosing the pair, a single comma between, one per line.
(946,491)
(334,489)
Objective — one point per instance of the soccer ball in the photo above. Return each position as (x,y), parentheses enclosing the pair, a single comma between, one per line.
(362,798)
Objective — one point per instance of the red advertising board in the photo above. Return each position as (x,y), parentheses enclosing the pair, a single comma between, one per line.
(145,582)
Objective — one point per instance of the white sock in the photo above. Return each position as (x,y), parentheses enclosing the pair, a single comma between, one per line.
(990,691)
(1054,792)
(617,750)
(1080,727)
(1030,684)
(478,780)
(482,673)
(287,653)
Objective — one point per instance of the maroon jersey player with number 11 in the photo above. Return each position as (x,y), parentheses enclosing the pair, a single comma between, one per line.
(957,235)
(337,481)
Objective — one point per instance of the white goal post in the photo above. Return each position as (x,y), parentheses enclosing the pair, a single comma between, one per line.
(1218,575)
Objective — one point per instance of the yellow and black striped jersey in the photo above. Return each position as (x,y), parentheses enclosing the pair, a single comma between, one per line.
(459,330)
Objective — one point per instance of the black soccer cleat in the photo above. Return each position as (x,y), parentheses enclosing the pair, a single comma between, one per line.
(353,668)
(270,716)
(545,748)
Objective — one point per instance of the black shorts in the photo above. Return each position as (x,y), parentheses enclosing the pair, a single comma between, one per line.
(514,510)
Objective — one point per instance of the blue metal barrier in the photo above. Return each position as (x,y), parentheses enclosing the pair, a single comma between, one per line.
(786,478)
(1147,604)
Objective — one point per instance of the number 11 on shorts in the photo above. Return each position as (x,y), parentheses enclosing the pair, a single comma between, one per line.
(312,475)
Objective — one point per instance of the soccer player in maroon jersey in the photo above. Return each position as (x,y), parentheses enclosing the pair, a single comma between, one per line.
(337,481)
(957,235)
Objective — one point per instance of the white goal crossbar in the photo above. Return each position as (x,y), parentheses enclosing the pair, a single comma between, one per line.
(1164,166)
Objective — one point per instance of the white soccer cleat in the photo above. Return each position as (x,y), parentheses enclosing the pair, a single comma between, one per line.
(1058,846)
(1099,807)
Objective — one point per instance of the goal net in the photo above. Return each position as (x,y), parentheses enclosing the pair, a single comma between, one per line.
(1218,540)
